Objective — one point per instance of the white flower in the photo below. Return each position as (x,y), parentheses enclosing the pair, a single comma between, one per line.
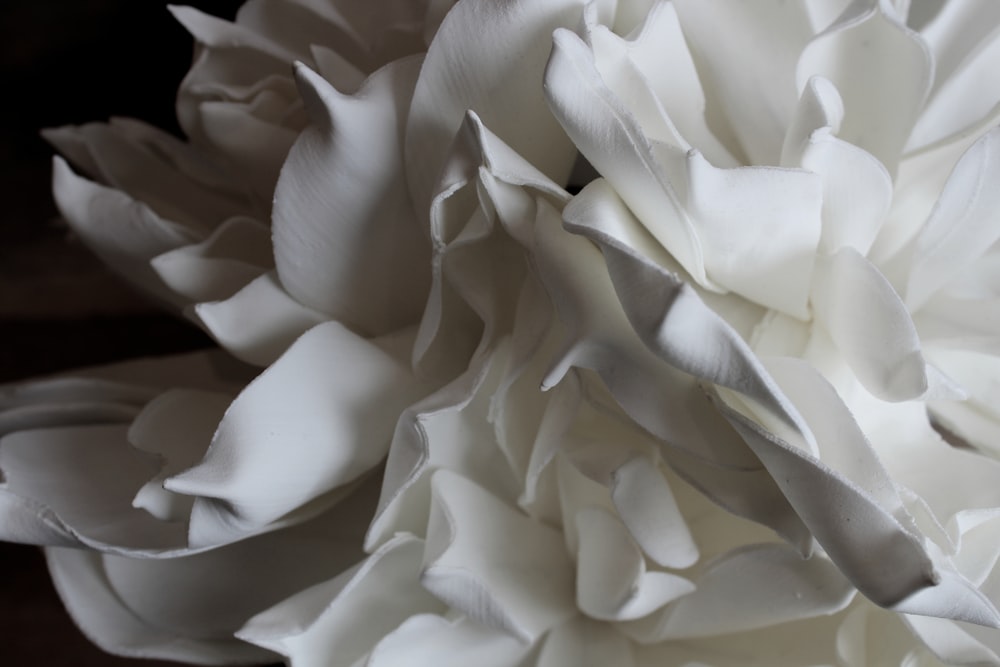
(685,416)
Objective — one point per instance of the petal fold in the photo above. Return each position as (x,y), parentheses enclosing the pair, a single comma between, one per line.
(308,418)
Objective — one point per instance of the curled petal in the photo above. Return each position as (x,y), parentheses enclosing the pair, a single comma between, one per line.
(79,482)
(647,507)
(612,582)
(179,443)
(434,640)
(346,241)
(950,643)
(437,432)
(687,203)
(124,233)
(177,181)
(882,69)
(751,103)
(259,322)
(321,428)
(582,642)
(750,588)
(522,587)
(664,313)
(338,621)
(234,254)
(870,325)
(965,42)
(188,608)
(857,189)
(963,224)
(489,58)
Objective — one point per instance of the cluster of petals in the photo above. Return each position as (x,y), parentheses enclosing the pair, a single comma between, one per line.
(552,332)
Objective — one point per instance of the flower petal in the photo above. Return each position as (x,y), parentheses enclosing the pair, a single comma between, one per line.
(177,426)
(234,254)
(857,189)
(581,642)
(778,434)
(966,43)
(434,640)
(436,433)
(612,583)
(749,588)
(341,620)
(951,643)
(178,182)
(124,233)
(647,507)
(259,322)
(883,71)
(686,203)
(870,325)
(522,587)
(188,608)
(752,102)
(346,241)
(339,423)
(963,224)
(81,481)
(489,58)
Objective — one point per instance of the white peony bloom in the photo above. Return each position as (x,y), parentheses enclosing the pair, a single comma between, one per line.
(693,414)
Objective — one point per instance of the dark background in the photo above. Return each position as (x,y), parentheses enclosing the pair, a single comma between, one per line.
(69,62)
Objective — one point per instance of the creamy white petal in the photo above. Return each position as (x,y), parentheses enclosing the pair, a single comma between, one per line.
(918,185)
(964,39)
(100,614)
(448,429)
(307,426)
(963,223)
(950,643)
(177,426)
(958,28)
(123,232)
(664,312)
(188,608)
(964,99)
(523,586)
(235,131)
(612,582)
(259,322)
(234,255)
(178,182)
(660,53)
(336,622)
(772,215)
(870,325)
(612,140)
(686,203)
(648,380)
(749,588)
(298,24)
(346,240)
(648,508)
(477,271)
(883,71)
(785,446)
(582,642)
(81,481)
(219,33)
(340,72)
(435,641)
(751,101)
(488,58)
(857,189)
